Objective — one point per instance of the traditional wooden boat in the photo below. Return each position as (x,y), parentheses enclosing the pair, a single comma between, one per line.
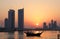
(33,34)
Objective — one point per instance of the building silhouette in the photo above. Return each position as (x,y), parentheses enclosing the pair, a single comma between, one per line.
(52,24)
(49,25)
(55,25)
(20,19)
(6,24)
(11,19)
(44,25)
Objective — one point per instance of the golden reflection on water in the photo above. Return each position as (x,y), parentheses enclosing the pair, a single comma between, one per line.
(16,35)
(45,35)
(49,34)
(21,35)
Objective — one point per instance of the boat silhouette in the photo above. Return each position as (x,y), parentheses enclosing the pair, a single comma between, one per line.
(33,34)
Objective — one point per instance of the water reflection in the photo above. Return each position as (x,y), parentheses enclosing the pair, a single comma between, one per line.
(14,35)
(10,35)
(20,35)
(45,35)
(58,35)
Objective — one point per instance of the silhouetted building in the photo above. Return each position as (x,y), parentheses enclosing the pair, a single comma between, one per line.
(44,25)
(52,24)
(11,19)
(20,19)
(55,24)
(6,24)
(49,25)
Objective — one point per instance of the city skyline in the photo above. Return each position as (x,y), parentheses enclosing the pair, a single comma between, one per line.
(20,16)
(9,23)
(35,11)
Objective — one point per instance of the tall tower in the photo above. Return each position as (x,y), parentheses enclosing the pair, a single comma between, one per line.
(55,25)
(20,19)
(44,25)
(52,24)
(11,19)
(6,24)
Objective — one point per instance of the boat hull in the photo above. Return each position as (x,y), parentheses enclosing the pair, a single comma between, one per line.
(33,34)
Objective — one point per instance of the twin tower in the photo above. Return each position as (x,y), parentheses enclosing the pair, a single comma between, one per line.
(10,21)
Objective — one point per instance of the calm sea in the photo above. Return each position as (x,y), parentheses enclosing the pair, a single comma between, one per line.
(22,35)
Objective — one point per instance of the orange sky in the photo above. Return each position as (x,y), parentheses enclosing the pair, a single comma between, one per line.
(38,11)
(35,11)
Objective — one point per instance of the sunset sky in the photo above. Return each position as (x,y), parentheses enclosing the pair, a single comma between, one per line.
(35,11)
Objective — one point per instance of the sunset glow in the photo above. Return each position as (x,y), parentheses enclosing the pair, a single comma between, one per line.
(30,19)
(35,11)
(37,24)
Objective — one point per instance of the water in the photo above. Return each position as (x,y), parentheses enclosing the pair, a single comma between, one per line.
(22,35)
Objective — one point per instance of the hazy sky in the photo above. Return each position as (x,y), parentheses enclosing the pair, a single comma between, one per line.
(39,11)
(35,11)
(5,5)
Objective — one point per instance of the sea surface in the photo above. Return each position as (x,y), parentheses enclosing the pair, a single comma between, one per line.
(22,35)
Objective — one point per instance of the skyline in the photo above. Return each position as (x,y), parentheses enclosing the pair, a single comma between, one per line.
(10,22)
(11,15)
(35,12)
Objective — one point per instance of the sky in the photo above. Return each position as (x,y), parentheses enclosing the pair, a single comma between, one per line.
(5,5)
(35,11)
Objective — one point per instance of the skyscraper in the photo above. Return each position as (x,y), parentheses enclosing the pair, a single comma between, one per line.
(6,24)
(49,26)
(44,25)
(55,25)
(52,24)
(11,19)
(20,19)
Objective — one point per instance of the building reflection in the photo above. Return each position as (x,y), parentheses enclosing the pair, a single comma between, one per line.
(20,35)
(11,35)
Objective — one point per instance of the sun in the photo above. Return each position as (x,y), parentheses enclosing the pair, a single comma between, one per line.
(37,24)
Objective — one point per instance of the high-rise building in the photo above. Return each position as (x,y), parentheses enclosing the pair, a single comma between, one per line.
(49,25)
(44,25)
(20,19)
(55,25)
(6,24)
(52,24)
(11,19)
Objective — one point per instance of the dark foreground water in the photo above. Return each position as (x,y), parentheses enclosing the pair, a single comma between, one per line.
(22,35)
